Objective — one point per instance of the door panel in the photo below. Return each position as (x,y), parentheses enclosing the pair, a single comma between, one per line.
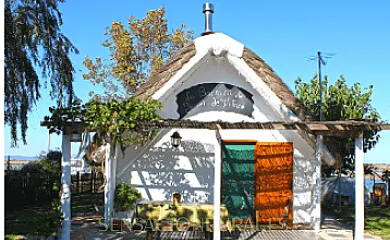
(273,182)
(238,180)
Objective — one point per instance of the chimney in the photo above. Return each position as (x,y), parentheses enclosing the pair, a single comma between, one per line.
(208,10)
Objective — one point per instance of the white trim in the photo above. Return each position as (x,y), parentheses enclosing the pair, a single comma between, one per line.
(179,76)
(262,88)
(219,44)
(217,189)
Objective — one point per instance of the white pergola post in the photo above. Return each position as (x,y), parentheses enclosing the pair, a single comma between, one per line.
(113,162)
(107,187)
(317,213)
(217,188)
(65,186)
(359,188)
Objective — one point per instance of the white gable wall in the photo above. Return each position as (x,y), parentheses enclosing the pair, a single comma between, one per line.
(218,70)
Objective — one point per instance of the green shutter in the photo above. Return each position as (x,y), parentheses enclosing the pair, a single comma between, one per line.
(238,180)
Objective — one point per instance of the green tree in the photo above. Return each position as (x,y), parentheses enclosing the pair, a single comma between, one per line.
(340,102)
(48,165)
(33,40)
(136,53)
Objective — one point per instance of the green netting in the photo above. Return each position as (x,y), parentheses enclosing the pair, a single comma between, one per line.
(238,180)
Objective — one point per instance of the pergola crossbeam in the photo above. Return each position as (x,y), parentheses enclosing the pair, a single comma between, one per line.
(326,128)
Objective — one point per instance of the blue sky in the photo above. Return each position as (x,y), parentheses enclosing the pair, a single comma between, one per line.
(283,33)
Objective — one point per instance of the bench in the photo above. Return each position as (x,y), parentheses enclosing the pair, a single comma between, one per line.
(165,216)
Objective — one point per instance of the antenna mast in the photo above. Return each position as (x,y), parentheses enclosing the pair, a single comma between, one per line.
(320,62)
(317,213)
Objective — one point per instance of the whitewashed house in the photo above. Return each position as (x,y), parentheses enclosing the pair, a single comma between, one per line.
(257,174)
(218,78)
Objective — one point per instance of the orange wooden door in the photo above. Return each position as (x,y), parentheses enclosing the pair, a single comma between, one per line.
(273,182)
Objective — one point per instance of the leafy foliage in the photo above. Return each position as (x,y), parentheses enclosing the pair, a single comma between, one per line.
(60,116)
(33,39)
(114,120)
(136,53)
(125,197)
(48,164)
(386,176)
(340,102)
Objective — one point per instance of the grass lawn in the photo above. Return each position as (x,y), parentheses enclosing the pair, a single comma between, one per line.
(84,202)
(34,220)
(377,220)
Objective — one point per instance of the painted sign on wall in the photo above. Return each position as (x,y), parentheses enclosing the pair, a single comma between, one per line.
(214,97)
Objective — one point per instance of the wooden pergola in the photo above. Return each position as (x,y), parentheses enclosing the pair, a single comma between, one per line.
(350,128)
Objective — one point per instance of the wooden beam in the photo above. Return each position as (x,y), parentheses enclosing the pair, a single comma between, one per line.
(327,128)
(346,127)
(333,133)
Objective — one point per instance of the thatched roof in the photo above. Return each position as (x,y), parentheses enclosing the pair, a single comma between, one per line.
(257,64)
(173,65)
(275,83)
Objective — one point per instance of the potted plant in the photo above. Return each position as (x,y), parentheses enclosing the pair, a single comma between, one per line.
(126,197)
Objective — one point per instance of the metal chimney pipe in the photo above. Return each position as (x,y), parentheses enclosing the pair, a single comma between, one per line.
(208,10)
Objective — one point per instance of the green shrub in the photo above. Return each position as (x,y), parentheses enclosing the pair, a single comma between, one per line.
(125,197)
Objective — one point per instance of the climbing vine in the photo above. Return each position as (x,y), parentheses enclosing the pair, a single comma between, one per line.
(122,119)
(119,122)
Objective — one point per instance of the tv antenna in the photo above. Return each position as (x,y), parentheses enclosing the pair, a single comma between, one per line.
(321,62)
(317,223)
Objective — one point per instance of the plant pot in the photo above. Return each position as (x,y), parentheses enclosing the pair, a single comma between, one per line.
(122,219)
